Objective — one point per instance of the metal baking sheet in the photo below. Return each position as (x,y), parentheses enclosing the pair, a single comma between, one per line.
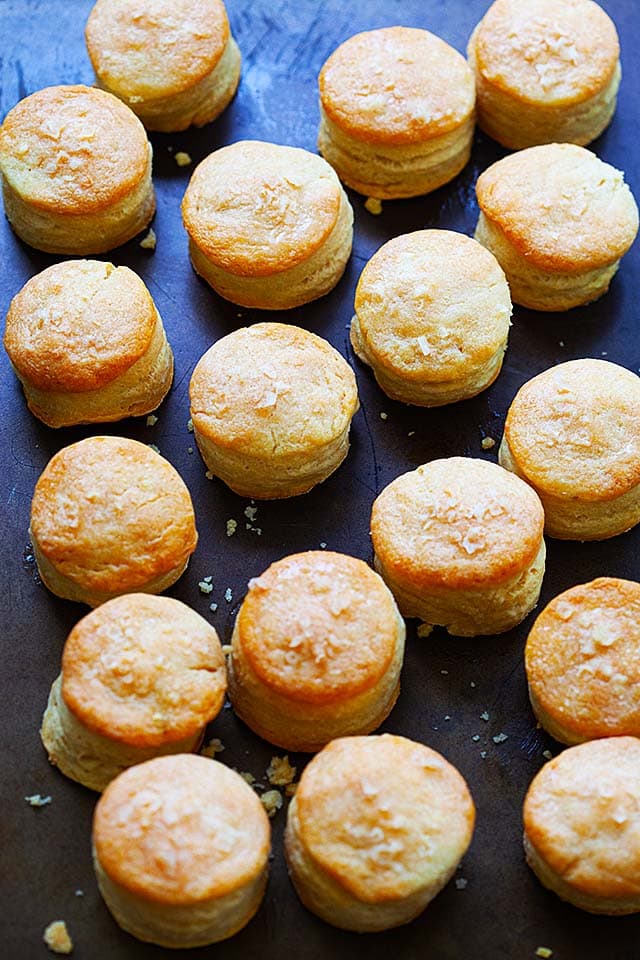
(447,683)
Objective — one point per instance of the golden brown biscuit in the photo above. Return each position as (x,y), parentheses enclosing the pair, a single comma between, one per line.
(432,317)
(547,71)
(271,406)
(181,848)
(76,171)
(582,825)
(141,677)
(460,545)
(558,220)
(573,433)
(110,516)
(396,112)
(174,62)
(582,662)
(269,226)
(317,651)
(87,344)
(377,827)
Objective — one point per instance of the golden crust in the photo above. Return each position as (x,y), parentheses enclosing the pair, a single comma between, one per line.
(456,523)
(155,48)
(111,515)
(582,662)
(72,150)
(180,830)
(397,85)
(256,209)
(573,431)
(560,207)
(143,670)
(581,817)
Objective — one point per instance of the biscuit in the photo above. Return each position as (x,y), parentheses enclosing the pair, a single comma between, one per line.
(460,545)
(76,171)
(432,317)
(582,825)
(181,847)
(110,516)
(573,433)
(173,62)
(88,345)
(141,676)
(396,112)
(582,662)
(558,220)
(376,828)
(547,71)
(317,650)
(269,226)
(271,406)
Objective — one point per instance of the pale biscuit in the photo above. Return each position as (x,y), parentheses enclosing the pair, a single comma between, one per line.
(173,62)
(271,406)
(76,171)
(558,220)
(88,345)
(181,847)
(376,828)
(460,545)
(573,433)
(110,516)
(432,317)
(269,226)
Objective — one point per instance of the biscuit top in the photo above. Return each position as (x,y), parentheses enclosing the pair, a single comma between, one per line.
(319,626)
(582,659)
(111,514)
(574,430)
(73,150)
(179,830)
(256,209)
(78,325)
(582,815)
(143,670)
(432,303)
(383,816)
(548,52)
(146,49)
(274,390)
(395,86)
(456,523)
(561,207)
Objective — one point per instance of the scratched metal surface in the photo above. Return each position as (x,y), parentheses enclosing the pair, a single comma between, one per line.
(447,683)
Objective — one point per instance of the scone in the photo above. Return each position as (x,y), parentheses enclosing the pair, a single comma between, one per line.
(76,171)
(459,542)
(582,662)
(573,433)
(174,62)
(269,226)
(87,344)
(547,71)
(271,406)
(181,847)
(141,677)
(377,827)
(396,112)
(558,220)
(582,825)
(317,650)
(432,317)
(110,516)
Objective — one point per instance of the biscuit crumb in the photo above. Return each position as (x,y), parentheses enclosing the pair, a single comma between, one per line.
(280,772)
(290,789)
(500,738)
(383,415)
(248,777)
(373,205)
(444,672)
(153,447)
(472,684)
(214,746)
(561,343)
(189,449)
(544,952)
(149,241)
(182,158)
(411,433)
(36,800)
(206,586)
(547,754)
(151,420)
(461,883)
(271,801)
(227,649)
(483,754)
(251,513)
(79,893)
(209,475)
(323,545)
(57,938)
(228,595)
(447,717)
(485,716)
(213,607)
(232,526)
(475,737)
(487,443)
(190,425)
(424,630)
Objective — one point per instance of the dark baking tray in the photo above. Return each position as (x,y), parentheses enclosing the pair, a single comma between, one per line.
(447,683)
